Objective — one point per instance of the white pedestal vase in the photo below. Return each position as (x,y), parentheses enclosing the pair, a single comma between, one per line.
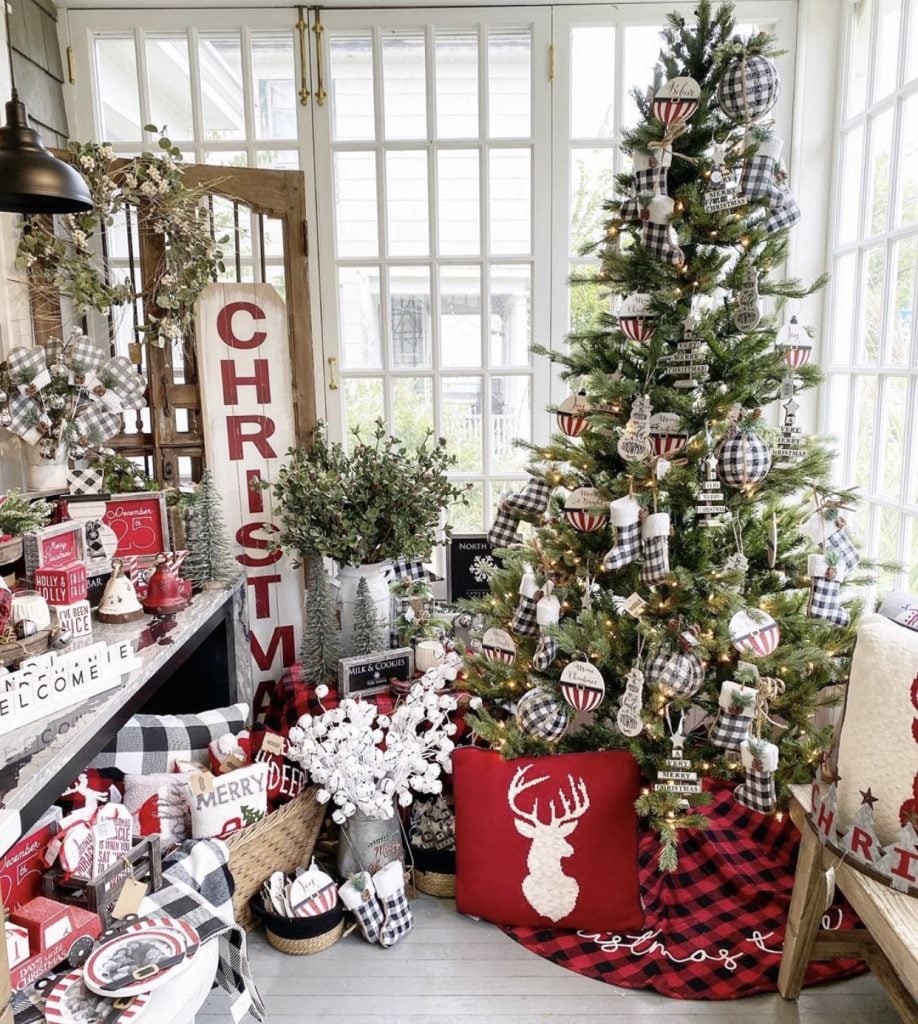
(45,474)
(347,580)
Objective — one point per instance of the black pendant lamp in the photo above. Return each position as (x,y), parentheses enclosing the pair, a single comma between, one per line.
(31,179)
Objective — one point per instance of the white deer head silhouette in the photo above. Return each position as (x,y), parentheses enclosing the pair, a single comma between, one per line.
(547,889)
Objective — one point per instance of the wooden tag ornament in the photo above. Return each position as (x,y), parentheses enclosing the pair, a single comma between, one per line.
(754,632)
(676,100)
(498,645)
(571,415)
(635,318)
(667,434)
(586,509)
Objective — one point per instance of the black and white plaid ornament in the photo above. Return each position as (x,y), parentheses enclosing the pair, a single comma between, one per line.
(524,619)
(624,517)
(760,761)
(650,173)
(736,709)
(530,502)
(825,592)
(655,547)
(540,713)
(659,236)
(749,88)
(676,673)
(744,459)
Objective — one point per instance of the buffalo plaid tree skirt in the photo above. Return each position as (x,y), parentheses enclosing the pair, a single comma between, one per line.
(714,928)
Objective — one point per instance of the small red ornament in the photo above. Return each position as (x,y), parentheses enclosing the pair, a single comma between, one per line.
(165,594)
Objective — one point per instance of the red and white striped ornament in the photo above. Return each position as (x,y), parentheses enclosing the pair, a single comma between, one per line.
(666,434)
(582,685)
(793,343)
(634,317)
(69,1000)
(586,510)
(498,645)
(571,415)
(676,100)
(754,632)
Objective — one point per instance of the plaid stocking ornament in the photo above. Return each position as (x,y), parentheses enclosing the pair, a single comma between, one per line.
(734,715)
(650,173)
(839,542)
(760,760)
(545,653)
(658,235)
(786,216)
(825,592)
(524,620)
(758,178)
(655,545)
(358,894)
(390,887)
(531,501)
(624,517)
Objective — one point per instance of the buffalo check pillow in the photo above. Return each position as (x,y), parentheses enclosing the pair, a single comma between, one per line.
(148,744)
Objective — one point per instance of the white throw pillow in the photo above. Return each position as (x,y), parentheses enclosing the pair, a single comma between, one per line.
(233,801)
(878,747)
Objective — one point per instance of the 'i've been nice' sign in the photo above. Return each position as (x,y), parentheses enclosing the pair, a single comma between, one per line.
(247,401)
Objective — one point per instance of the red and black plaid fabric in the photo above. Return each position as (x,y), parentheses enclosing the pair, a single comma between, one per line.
(292,697)
(713,929)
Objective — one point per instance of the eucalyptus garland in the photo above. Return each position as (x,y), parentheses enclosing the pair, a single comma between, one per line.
(65,256)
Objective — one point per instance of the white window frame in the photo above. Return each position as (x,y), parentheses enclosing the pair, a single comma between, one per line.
(875,502)
(539,259)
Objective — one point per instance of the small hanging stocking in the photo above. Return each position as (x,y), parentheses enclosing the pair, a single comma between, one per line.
(624,516)
(655,545)
(545,653)
(759,171)
(359,895)
(786,216)
(734,715)
(531,501)
(524,620)
(760,759)
(658,236)
(650,172)
(390,887)
(840,543)
(825,592)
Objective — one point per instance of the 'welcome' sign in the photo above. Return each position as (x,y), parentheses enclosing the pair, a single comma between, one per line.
(247,401)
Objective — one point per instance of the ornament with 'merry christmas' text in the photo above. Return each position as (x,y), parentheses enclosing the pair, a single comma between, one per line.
(754,632)
(586,510)
(571,416)
(582,685)
(498,645)
(635,318)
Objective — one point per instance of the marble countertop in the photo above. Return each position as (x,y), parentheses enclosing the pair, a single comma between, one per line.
(35,755)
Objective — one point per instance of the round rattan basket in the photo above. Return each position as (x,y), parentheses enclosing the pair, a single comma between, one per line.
(434,871)
(300,936)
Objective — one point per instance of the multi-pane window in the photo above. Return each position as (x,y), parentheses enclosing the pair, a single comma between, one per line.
(431,248)
(870,353)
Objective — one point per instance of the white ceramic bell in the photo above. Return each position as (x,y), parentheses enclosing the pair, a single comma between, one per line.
(30,605)
(119,601)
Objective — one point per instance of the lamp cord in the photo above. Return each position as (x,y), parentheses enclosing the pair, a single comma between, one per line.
(9,46)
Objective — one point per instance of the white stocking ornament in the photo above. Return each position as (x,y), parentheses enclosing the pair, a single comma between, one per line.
(655,547)
(760,761)
(624,518)
(548,613)
(658,234)
(524,620)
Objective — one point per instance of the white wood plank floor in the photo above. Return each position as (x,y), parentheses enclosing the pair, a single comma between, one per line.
(451,969)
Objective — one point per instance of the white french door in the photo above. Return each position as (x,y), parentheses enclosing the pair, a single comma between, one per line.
(434,254)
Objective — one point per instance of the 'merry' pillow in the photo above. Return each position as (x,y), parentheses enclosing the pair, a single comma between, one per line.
(549,841)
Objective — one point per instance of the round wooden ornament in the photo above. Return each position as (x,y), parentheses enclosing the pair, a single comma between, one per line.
(754,632)
(571,415)
(586,510)
(676,100)
(635,318)
(498,645)
(666,434)
(582,685)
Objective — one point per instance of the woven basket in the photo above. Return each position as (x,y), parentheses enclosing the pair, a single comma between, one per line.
(14,652)
(10,550)
(300,936)
(435,884)
(282,841)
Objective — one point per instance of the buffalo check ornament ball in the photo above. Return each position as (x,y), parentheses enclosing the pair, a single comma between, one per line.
(540,713)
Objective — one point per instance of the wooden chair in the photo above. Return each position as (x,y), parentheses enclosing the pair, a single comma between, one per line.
(888,941)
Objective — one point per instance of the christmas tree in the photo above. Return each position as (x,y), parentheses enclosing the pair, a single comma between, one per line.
(685,565)
(367,636)
(210,560)
(321,645)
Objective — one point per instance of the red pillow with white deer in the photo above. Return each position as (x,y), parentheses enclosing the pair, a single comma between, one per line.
(158,806)
(548,841)
(223,804)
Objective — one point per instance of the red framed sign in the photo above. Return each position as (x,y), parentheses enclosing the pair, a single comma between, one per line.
(53,547)
(140,523)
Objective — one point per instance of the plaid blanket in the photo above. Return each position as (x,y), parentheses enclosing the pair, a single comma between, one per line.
(714,929)
(198,887)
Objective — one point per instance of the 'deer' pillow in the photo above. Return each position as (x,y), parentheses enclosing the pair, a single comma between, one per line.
(227,803)
(548,841)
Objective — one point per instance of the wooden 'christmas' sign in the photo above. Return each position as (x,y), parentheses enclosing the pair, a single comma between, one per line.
(244,356)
